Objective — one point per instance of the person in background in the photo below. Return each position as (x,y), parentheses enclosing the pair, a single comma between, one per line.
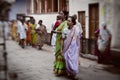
(41,31)
(33,32)
(22,28)
(53,35)
(79,27)
(102,49)
(28,33)
(14,30)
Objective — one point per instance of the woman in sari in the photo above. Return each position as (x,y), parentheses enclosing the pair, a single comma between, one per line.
(59,63)
(14,30)
(28,33)
(33,33)
(41,31)
(102,49)
(71,48)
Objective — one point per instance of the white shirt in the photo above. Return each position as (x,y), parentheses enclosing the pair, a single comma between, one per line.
(22,30)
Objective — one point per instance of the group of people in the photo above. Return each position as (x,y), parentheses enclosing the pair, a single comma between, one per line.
(66,35)
(65,38)
(28,33)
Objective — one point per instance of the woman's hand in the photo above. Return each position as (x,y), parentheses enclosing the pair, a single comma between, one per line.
(58,32)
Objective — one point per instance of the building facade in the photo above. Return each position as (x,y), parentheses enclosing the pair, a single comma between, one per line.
(91,13)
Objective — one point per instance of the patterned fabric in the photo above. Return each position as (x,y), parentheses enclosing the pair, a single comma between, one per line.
(41,31)
(59,64)
(33,34)
(71,51)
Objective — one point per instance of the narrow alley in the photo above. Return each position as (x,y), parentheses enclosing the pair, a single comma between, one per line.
(95,24)
(33,64)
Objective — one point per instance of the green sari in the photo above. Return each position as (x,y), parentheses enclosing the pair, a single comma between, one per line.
(59,64)
(33,34)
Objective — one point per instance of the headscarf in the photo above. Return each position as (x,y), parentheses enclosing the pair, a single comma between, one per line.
(103,38)
(104,32)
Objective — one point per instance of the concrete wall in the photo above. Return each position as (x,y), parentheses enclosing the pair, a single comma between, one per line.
(116,25)
(48,19)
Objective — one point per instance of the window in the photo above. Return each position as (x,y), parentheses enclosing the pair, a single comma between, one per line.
(35,6)
(28,6)
(46,6)
(42,5)
(49,5)
(55,5)
(62,5)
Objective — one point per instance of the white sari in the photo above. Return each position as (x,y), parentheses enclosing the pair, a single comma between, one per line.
(103,39)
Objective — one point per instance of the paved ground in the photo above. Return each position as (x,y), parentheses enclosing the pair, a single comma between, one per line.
(33,64)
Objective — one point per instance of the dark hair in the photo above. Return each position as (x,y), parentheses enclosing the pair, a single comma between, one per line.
(75,16)
(28,21)
(73,20)
(65,14)
(58,17)
(40,21)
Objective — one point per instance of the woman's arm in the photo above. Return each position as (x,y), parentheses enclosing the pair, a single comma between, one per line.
(58,32)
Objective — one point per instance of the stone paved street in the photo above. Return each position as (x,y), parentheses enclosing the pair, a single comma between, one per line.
(33,64)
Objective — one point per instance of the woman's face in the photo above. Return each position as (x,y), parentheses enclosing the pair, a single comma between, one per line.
(39,22)
(62,15)
(70,23)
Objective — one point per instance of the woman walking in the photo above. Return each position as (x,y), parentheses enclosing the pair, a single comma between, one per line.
(14,30)
(71,48)
(33,33)
(28,34)
(59,63)
(103,45)
(41,31)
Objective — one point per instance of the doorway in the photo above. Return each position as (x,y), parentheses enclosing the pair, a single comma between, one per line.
(93,25)
(81,19)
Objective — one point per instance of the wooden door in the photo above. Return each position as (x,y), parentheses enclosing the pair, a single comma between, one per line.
(93,19)
(81,19)
(93,24)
